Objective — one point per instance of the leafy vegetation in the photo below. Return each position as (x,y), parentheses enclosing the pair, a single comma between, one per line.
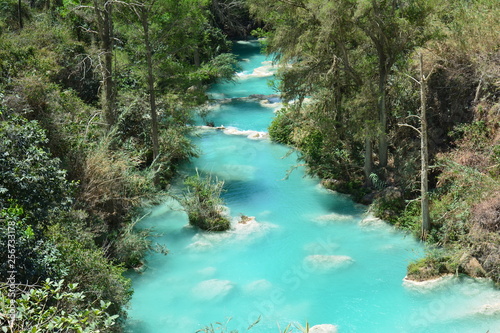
(52,306)
(93,122)
(204,205)
(347,75)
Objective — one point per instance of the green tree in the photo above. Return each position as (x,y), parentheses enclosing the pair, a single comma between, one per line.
(144,12)
(102,21)
(326,49)
(104,18)
(341,54)
(394,29)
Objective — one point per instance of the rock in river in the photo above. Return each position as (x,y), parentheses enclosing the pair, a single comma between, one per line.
(327,263)
(324,328)
(212,290)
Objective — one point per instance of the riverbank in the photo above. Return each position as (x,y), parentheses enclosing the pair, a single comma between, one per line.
(465,210)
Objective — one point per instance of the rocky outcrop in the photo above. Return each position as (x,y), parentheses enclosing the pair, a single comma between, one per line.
(428,285)
(471,266)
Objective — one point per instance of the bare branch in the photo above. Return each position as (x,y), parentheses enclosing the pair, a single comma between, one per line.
(412,127)
(411,77)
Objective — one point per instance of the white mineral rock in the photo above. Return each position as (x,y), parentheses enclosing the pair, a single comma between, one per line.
(324,328)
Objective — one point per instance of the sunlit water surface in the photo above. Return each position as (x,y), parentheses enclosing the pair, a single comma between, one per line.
(311,255)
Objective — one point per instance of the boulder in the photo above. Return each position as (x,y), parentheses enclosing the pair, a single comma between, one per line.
(472,266)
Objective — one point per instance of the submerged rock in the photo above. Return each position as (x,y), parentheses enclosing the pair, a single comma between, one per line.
(212,290)
(489,310)
(321,246)
(324,328)
(207,271)
(258,287)
(327,263)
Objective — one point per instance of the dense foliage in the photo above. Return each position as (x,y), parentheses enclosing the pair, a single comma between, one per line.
(53,306)
(350,80)
(95,99)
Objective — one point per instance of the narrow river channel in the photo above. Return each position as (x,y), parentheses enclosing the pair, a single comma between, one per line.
(310,255)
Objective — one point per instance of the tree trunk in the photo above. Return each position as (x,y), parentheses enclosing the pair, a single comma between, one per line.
(368,161)
(426,223)
(105,25)
(382,113)
(151,82)
(20,14)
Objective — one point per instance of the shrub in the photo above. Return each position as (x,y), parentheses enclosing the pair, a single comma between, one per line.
(35,256)
(52,307)
(203,204)
(112,185)
(87,264)
(281,128)
(28,173)
(435,264)
(388,204)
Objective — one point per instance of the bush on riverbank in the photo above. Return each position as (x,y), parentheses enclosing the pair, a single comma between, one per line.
(203,203)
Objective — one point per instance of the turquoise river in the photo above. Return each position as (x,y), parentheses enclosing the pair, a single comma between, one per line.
(310,255)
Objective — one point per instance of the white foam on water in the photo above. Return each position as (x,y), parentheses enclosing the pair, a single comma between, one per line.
(246,42)
(370,222)
(207,271)
(230,130)
(267,69)
(323,328)
(332,218)
(239,233)
(253,135)
(276,105)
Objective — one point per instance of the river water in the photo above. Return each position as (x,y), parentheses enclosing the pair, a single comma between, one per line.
(310,255)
